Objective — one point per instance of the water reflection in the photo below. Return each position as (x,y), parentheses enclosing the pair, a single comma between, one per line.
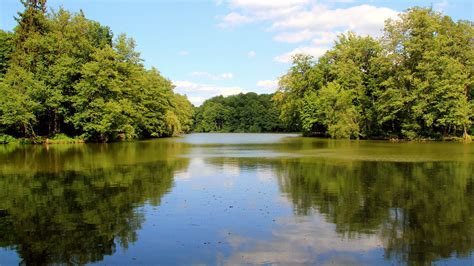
(418,212)
(307,240)
(421,211)
(287,201)
(51,214)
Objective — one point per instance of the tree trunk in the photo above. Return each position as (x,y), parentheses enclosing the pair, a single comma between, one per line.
(55,129)
(24,129)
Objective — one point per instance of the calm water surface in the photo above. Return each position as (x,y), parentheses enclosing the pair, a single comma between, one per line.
(237,199)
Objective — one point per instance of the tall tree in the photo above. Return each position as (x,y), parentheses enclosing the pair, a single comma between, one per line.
(63,73)
(415,82)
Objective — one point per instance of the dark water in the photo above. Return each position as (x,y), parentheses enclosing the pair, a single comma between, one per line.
(237,199)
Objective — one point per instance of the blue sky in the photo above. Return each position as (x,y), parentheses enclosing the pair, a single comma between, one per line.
(217,47)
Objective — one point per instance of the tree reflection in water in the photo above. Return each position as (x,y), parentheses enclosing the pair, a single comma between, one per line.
(69,212)
(420,211)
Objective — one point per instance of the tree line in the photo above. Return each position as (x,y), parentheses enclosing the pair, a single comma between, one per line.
(414,82)
(61,73)
(248,112)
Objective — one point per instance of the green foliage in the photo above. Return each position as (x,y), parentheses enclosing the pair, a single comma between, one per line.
(6,139)
(63,73)
(56,209)
(415,82)
(332,108)
(63,139)
(238,113)
(6,48)
(19,104)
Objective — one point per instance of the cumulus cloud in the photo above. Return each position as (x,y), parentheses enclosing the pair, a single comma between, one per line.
(288,57)
(303,21)
(268,84)
(342,1)
(223,76)
(325,38)
(294,37)
(196,100)
(198,92)
(441,6)
(251,54)
(233,19)
(265,4)
(363,19)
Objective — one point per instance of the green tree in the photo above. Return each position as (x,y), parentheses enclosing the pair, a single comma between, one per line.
(18,107)
(430,78)
(103,110)
(6,49)
(415,82)
(248,112)
(63,73)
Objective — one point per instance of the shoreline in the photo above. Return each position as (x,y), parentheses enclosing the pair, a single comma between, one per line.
(63,139)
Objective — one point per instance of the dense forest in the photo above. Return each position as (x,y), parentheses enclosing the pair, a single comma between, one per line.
(414,82)
(248,112)
(61,73)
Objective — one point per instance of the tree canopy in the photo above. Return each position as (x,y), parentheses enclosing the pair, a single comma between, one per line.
(248,112)
(63,73)
(414,82)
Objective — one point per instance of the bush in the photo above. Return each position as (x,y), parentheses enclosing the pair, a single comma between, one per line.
(5,139)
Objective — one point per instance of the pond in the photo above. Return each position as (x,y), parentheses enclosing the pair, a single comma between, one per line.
(237,199)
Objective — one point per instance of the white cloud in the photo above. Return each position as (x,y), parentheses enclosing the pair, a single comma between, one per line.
(196,100)
(363,19)
(441,6)
(223,76)
(183,53)
(198,92)
(227,75)
(301,21)
(251,54)
(268,84)
(234,19)
(319,37)
(265,4)
(325,38)
(249,11)
(294,37)
(288,57)
(342,1)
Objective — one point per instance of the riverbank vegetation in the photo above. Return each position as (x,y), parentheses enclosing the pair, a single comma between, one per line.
(61,73)
(413,83)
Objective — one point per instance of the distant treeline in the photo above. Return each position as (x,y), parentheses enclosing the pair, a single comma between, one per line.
(63,73)
(248,112)
(415,82)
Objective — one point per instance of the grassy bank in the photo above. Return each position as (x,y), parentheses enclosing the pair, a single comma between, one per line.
(56,139)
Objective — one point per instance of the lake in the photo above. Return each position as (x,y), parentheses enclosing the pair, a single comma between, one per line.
(237,199)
